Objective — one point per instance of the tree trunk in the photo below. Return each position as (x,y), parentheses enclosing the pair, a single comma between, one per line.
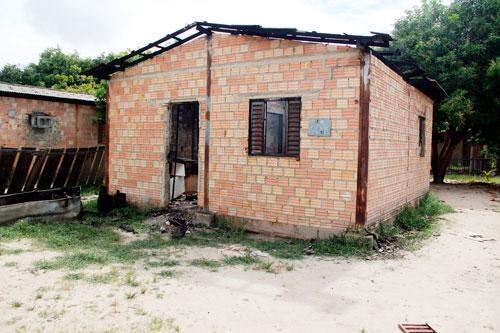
(441,160)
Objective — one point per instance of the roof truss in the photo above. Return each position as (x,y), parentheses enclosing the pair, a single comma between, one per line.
(410,72)
(197,29)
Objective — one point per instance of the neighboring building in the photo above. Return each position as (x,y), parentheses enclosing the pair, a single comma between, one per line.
(46,118)
(301,137)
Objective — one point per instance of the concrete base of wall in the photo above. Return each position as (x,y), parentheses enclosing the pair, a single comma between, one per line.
(279,229)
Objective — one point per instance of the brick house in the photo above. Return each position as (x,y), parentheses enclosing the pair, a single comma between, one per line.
(46,118)
(296,133)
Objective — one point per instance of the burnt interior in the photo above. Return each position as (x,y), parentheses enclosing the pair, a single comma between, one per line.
(184,139)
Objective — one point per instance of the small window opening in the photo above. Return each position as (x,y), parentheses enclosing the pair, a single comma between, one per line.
(275,127)
(421,135)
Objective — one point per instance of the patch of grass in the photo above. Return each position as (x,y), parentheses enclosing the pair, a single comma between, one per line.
(413,224)
(130,295)
(73,261)
(130,280)
(342,245)
(163,263)
(473,179)
(155,325)
(86,190)
(387,230)
(64,236)
(205,263)
(266,266)
(167,274)
(73,276)
(105,278)
(240,260)
(422,216)
(16,304)
(430,206)
(4,251)
(10,264)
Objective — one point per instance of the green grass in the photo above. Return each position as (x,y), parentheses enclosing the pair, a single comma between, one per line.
(73,276)
(240,260)
(104,278)
(414,223)
(205,263)
(167,274)
(86,243)
(130,280)
(474,179)
(163,263)
(87,190)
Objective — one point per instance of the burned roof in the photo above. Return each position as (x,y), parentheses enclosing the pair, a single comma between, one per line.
(25,91)
(196,29)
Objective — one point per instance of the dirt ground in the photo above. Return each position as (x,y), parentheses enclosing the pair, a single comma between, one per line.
(452,283)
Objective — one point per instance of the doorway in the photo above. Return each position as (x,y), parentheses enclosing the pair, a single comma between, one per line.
(183,153)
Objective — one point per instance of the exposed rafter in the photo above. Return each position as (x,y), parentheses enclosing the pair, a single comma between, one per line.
(197,29)
(409,71)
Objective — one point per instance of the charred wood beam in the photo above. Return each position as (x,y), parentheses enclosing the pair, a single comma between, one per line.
(105,70)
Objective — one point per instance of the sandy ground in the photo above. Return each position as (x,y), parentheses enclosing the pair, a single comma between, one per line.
(452,283)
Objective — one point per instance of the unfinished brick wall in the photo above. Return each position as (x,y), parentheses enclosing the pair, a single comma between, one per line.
(317,191)
(74,124)
(138,119)
(397,174)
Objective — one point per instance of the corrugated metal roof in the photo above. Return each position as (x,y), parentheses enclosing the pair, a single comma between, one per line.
(12,89)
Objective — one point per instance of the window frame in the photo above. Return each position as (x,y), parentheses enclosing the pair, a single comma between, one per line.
(264,134)
(421,135)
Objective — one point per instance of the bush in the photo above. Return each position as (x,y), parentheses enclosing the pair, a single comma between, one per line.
(421,217)
(387,230)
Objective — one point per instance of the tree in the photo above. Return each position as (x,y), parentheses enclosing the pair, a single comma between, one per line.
(58,70)
(459,46)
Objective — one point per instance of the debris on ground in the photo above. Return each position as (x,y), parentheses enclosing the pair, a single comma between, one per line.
(416,328)
(479,238)
(245,251)
(127,228)
(177,220)
(309,250)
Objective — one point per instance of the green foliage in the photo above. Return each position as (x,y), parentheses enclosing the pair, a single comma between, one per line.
(100,102)
(459,46)
(387,230)
(73,276)
(99,244)
(422,216)
(205,263)
(240,260)
(58,70)
(475,178)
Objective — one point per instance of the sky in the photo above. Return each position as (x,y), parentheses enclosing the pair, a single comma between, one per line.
(92,27)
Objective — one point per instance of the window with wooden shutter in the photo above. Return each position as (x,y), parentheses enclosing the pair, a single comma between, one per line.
(275,127)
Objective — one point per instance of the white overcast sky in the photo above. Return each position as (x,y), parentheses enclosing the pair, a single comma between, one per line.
(92,27)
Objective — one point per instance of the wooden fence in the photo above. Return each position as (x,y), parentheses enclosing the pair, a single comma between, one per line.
(473,166)
(29,169)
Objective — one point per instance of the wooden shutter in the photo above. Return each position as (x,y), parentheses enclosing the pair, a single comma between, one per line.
(293,130)
(256,130)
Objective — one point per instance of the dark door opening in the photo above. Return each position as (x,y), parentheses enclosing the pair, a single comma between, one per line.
(183,155)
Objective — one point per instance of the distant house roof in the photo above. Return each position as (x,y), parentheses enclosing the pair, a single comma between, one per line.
(25,91)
